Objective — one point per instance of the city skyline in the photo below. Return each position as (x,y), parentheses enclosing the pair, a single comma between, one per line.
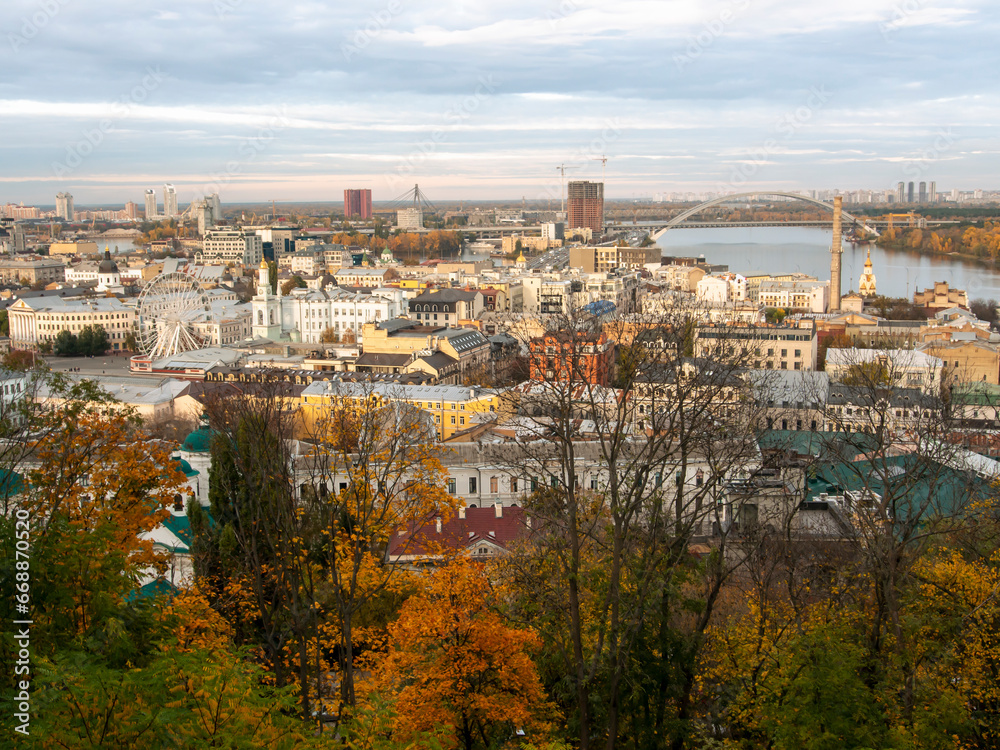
(679,96)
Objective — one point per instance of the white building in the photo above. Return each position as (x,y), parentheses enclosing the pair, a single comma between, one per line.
(232,246)
(169,201)
(713,289)
(64,206)
(303,315)
(410,218)
(151,212)
(39,320)
(813,296)
(904,368)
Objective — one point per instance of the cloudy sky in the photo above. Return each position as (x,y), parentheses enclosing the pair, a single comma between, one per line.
(483,99)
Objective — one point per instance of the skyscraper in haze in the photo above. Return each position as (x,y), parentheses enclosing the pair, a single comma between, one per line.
(585,206)
(64,206)
(131,210)
(900,192)
(923,192)
(909,192)
(169,201)
(151,205)
(932,193)
(358,203)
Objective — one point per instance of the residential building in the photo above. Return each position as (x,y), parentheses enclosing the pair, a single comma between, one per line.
(410,218)
(447,306)
(64,206)
(369,278)
(572,356)
(150,203)
(481,533)
(358,203)
(966,361)
(450,408)
(812,296)
(80,248)
(903,368)
(232,246)
(11,237)
(761,347)
(32,269)
(169,201)
(608,259)
(585,206)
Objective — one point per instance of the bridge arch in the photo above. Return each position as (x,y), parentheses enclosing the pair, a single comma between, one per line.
(681,217)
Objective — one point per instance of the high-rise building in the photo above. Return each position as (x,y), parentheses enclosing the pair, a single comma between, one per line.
(909,192)
(151,212)
(358,203)
(922,195)
(932,193)
(169,201)
(216,203)
(900,192)
(64,206)
(410,218)
(131,210)
(585,207)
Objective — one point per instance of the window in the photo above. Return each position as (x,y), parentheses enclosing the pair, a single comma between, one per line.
(513,484)
(453,419)
(451,487)
(494,485)
(798,352)
(472,486)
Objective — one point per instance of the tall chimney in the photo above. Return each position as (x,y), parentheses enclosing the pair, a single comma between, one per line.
(836,253)
(437,524)
(461,512)
(498,507)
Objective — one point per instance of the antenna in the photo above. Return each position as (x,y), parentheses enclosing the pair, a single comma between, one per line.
(562,170)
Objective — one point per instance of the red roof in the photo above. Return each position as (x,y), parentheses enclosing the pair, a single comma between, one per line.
(479,525)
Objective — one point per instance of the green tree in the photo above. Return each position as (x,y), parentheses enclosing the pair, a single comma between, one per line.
(66,344)
(93,341)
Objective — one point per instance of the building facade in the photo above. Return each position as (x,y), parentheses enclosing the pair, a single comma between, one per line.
(358,203)
(585,206)
(36,321)
(232,246)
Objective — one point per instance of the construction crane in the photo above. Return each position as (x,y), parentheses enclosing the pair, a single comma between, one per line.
(562,204)
(604,162)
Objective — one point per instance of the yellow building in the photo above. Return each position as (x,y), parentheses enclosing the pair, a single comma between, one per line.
(966,361)
(449,408)
(74,248)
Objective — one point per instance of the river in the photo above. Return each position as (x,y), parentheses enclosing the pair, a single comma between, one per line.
(807,250)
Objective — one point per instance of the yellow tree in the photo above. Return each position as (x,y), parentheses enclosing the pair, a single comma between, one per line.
(375,468)
(456,668)
(98,484)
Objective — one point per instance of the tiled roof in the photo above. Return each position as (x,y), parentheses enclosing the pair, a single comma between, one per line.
(479,525)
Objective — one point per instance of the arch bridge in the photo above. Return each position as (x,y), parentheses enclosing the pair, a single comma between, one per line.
(680,218)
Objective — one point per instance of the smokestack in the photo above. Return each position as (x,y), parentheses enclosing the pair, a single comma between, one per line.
(499,510)
(437,524)
(461,512)
(836,253)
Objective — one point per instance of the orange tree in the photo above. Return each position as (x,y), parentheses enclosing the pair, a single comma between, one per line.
(373,468)
(456,669)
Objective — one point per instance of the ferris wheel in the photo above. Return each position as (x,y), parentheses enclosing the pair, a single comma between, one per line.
(167,310)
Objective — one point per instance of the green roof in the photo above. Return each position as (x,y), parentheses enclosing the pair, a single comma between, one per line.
(11,483)
(199,441)
(824,445)
(981,394)
(917,483)
(153,589)
(180,527)
(186,467)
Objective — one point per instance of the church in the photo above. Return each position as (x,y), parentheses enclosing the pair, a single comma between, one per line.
(304,314)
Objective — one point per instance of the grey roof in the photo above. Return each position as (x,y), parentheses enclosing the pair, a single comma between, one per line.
(376,359)
(447,295)
(439,360)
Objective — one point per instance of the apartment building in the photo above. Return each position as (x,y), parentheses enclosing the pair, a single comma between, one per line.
(232,246)
(36,321)
(763,347)
(32,270)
